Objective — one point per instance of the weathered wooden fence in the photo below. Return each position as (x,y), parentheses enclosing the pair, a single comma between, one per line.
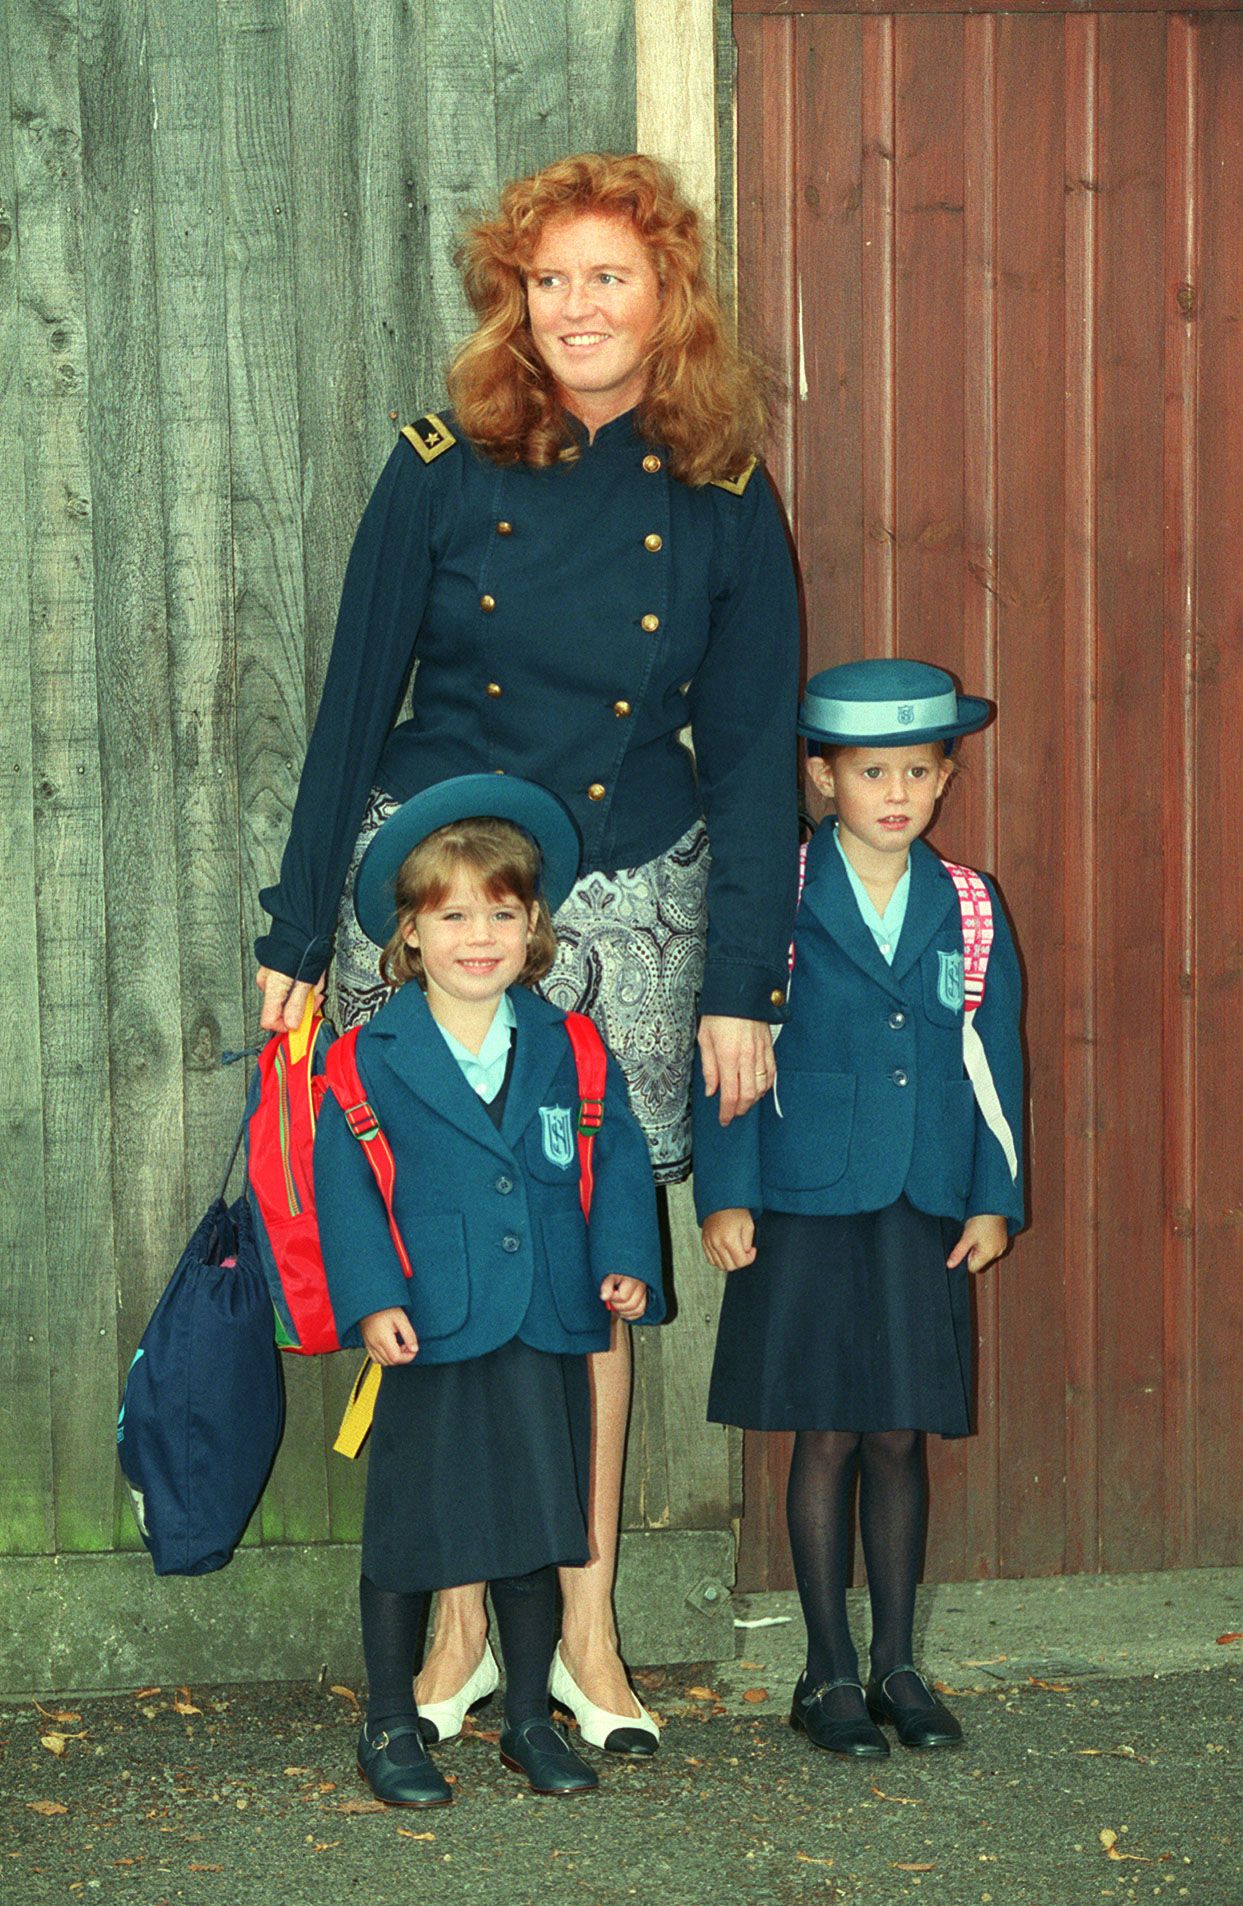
(225,264)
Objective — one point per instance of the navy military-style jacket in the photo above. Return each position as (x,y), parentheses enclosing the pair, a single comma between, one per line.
(871,1098)
(566,624)
(490,1218)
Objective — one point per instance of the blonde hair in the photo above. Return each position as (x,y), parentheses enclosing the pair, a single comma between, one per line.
(706,402)
(504,860)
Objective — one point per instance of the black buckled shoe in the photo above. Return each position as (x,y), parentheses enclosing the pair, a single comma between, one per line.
(921,1721)
(852,1735)
(410,1782)
(540,1750)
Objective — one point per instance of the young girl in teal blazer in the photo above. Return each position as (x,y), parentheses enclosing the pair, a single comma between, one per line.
(478,1466)
(851,1204)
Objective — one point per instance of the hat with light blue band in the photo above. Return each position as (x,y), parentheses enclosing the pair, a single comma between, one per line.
(887,703)
(465,797)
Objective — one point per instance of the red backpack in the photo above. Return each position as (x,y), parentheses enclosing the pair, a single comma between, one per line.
(294,1072)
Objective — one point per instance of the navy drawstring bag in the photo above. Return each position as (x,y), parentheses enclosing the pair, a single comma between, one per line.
(204,1404)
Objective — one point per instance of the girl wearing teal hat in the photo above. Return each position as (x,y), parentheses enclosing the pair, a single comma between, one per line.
(479,1466)
(851,1206)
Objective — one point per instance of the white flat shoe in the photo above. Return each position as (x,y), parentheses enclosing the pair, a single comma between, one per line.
(634,1734)
(442,1720)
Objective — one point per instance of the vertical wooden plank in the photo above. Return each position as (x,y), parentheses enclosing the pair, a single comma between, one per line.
(601,82)
(1218,967)
(1130,559)
(1079,890)
(877,348)
(928,294)
(675,104)
(463,180)
(69,870)
(531,98)
(403,374)
(829,200)
(268,598)
(1030,566)
(26,1493)
(1179,780)
(131,644)
(967,828)
(194,424)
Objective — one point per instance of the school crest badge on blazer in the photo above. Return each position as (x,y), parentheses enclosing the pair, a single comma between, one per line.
(949,981)
(557,1126)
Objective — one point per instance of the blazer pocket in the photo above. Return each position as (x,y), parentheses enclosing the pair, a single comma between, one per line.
(807,1146)
(439,1292)
(958,1126)
(574,1291)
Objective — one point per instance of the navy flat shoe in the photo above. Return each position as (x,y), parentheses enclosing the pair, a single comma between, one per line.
(405,1783)
(540,1750)
(922,1721)
(854,1736)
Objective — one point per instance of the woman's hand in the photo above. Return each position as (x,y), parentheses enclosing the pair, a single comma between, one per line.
(284,999)
(729,1239)
(983,1240)
(625,1296)
(389,1337)
(737,1056)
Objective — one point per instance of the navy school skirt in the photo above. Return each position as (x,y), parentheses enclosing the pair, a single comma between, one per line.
(847,1323)
(478,1470)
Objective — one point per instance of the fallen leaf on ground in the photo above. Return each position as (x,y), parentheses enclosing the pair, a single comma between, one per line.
(297,1770)
(913,1866)
(985,1661)
(407,1835)
(1054,1687)
(46,1807)
(809,1859)
(205,1866)
(751,1665)
(144,1694)
(347,1694)
(183,1704)
(324,1846)
(55,1743)
(1109,1840)
(755,1694)
(359,1806)
(1223,1641)
(898,1799)
(702,1694)
(55,1714)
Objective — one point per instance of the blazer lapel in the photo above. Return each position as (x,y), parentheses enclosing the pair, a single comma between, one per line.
(406,1039)
(831,898)
(932,896)
(542,1045)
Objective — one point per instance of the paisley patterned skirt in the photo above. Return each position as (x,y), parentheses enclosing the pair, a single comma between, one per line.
(630,953)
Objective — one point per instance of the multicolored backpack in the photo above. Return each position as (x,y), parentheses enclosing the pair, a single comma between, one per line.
(295,1071)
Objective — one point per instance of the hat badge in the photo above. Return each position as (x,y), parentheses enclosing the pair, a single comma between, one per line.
(906,714)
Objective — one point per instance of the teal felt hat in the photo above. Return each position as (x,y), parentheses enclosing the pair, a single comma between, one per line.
(887,703)
(497,796)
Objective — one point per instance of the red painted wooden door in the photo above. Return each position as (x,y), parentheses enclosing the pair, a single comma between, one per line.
(998,260)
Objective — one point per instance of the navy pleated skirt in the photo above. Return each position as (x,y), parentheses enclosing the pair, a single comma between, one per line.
(847,1323)
(478,1470)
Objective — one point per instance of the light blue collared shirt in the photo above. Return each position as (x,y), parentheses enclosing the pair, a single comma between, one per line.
(885,928)
(484,1071)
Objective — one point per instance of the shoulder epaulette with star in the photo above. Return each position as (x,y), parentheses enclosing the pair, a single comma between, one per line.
(736,484)
(429,437)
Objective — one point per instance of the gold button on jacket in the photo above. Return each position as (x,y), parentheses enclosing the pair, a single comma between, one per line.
(487,603)
(621,708)
(494,689)
(650,622)
(504,529)
(777,996)
(596,791)
(651,465)
(653,542)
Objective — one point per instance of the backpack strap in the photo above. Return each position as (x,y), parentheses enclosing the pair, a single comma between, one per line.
(976,911)
(343,1079)
(591,1064)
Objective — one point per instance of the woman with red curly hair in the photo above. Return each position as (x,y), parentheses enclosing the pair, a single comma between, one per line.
(579,561)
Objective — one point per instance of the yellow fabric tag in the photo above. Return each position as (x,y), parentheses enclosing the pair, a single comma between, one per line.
(737,484)
(301,1039)
(430,436)
(356,1423)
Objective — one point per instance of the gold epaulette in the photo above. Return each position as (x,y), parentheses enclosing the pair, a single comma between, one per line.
(735,484)
(429,436)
